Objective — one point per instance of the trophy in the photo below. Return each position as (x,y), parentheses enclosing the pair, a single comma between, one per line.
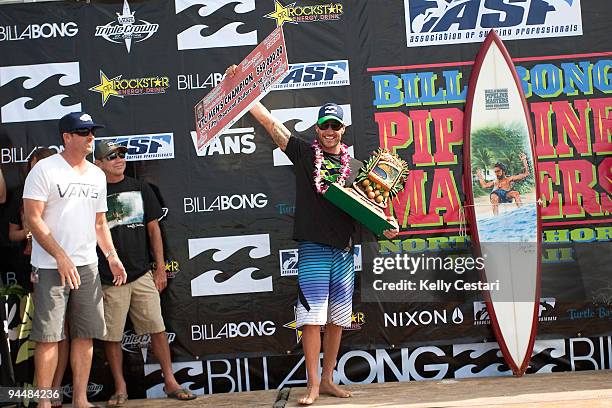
(379,180)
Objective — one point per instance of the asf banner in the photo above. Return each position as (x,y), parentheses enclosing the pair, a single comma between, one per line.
(400,71)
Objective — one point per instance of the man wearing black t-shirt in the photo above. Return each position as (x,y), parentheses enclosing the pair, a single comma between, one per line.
(324,232)
(133,212)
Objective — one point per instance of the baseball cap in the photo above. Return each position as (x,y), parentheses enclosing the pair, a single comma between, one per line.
(104,148)
(330,111)
(77,120)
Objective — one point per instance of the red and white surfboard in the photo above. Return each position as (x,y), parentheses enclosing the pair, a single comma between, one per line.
(501,188)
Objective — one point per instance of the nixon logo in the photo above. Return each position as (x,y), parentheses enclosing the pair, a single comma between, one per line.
(234,34)
(251,247)
(41,80)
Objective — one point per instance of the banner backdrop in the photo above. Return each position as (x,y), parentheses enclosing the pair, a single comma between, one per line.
(400,71)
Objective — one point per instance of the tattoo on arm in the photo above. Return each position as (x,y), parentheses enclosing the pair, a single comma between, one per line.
(280,134)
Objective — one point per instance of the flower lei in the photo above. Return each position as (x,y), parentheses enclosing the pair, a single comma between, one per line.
(345,170)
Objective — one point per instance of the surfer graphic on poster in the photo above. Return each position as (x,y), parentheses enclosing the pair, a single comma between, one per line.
(503,184)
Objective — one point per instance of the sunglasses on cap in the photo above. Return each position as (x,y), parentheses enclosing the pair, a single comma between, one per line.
(84,132)
(114,155)
(330,123)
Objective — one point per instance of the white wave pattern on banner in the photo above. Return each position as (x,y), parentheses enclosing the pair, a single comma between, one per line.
(240,282)
(50,109)
(227,36)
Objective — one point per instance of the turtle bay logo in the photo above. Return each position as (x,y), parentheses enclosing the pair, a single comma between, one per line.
(423,317)
(120,87)
(305,14)
(442,22)
(126,28)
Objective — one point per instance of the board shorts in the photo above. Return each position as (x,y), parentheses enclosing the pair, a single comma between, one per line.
(326,277)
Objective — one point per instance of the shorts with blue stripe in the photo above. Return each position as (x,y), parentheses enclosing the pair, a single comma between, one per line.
(326,277)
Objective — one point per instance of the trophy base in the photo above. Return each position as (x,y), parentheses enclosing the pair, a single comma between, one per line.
(352,203)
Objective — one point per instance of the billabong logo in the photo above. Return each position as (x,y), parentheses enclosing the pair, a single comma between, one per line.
(65,74)
(21,154)
(36,31)
(315,75)
(224,202)
(210,331)
(234,34)
(154,146)
(126,28)
(441,22)
(305,14)
(305,118)
(232,141)
(119,87)
(222,248)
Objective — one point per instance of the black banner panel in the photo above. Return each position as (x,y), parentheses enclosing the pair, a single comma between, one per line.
(400,70)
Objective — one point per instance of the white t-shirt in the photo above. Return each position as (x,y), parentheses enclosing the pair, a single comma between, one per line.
(72,201)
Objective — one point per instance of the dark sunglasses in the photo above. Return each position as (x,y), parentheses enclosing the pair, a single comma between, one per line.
(330,123)
(84,132)
(113,156)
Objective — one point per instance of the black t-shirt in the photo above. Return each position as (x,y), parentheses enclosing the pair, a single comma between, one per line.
(317,219)
(131,205)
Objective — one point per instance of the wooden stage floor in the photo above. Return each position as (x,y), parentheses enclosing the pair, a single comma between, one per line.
(589,389)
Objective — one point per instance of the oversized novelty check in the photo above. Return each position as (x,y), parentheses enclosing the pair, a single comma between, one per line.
(232,97)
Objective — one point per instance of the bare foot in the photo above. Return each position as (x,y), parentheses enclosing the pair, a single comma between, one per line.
(312,393)
(329,388)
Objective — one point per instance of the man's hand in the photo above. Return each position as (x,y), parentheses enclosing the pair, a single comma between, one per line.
(523,157)
(391,233)
(231,70)
(117,269)
(68,272)
(159,277)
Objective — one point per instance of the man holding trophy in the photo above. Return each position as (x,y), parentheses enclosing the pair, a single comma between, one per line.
(324,232)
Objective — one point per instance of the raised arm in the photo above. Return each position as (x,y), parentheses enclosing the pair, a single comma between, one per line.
(277,131)
(525,172)
(482,181)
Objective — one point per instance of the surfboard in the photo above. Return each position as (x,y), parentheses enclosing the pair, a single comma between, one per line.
(501,186)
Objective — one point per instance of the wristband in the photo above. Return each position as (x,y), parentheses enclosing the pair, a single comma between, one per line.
(109,253)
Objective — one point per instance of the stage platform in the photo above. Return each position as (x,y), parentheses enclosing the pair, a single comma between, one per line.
(588,389)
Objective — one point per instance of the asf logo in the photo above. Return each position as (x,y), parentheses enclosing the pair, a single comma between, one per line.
(239,32)
(437,22)
(304,118)
(230,251)
(315,75)
(45,91)
(145,147)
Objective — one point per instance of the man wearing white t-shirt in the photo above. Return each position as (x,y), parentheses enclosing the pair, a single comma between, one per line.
(64,201)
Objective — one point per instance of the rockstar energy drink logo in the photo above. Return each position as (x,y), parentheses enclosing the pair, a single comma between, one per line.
(120,87)
(305,14)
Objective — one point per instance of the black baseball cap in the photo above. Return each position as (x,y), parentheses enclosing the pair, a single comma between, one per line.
(77,120)
(105,148)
